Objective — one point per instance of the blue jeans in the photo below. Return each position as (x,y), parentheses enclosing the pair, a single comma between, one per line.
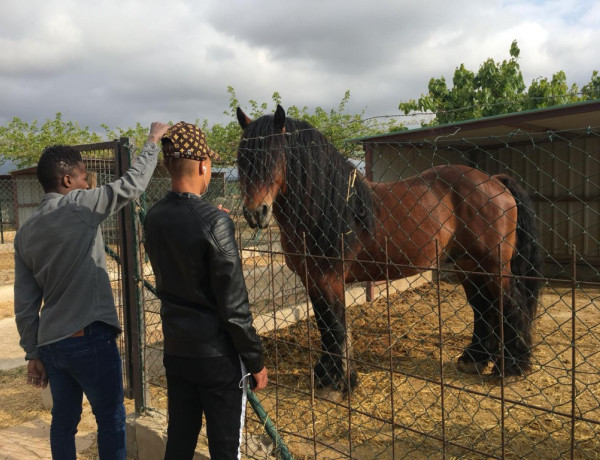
(88,364)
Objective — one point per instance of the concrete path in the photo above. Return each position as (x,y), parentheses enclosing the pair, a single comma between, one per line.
(11,354)
(30,440)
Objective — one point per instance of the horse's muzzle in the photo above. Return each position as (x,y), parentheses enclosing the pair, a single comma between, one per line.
(260,217)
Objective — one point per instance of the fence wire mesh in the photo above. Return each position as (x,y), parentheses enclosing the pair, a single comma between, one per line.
(411,398)
(7,231)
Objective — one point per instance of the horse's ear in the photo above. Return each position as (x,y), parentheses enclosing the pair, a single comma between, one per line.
(279,119)
(242,118)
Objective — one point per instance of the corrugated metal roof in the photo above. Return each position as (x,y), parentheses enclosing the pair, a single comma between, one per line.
(486,131)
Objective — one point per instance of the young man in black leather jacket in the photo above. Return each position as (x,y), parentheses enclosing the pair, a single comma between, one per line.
(210,344)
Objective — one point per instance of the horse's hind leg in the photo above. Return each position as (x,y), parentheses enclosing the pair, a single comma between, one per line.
(511,342)
(484,343)
(517,334)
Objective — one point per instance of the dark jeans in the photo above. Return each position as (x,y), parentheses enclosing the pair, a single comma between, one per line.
(88,364)
(209,386)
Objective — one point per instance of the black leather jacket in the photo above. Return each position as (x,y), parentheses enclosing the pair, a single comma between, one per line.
(199,280)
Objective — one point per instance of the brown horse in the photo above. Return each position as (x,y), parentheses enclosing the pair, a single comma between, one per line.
(337,228)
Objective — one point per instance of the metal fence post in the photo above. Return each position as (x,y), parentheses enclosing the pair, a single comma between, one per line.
(131,315)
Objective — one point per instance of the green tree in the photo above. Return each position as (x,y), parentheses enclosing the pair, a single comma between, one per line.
(547,93)
(336,124)
(591,90)
(495,89)
(22,142)
(137,135)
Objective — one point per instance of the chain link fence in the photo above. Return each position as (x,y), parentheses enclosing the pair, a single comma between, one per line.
(7,231)
(411,399)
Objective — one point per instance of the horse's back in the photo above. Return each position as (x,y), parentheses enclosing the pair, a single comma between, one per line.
(459,184)
(444,209)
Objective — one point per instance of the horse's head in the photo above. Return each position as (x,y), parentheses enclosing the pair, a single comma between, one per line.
(261,164)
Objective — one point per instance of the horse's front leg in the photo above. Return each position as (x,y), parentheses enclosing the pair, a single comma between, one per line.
(335,368)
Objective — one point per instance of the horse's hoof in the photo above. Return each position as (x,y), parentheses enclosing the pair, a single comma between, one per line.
(512,373)
(330,377)
(471,367)
(329,394)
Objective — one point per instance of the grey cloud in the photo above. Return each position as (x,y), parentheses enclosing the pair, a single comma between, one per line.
(119,63)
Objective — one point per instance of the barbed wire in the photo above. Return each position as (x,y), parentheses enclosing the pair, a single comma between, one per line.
(489,105)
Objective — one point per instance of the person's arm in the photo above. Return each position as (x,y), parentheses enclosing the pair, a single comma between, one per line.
(229,290)
(28,301)
(108,199)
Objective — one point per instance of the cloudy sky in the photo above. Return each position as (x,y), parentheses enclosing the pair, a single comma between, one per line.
(127,61)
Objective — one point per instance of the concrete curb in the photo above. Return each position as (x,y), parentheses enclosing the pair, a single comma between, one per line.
(147,438)
(288,316)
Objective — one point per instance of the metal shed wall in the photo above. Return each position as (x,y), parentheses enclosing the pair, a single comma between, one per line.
(559,168)
(27,195)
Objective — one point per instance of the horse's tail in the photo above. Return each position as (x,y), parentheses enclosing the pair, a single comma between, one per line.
(526,262)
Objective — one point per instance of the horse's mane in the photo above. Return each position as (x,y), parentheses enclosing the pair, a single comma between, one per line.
(326,198)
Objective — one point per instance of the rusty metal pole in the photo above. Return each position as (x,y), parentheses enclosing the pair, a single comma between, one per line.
(131,314)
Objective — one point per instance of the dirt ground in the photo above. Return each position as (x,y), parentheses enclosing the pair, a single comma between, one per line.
(406,365)
(411,401)
(6,310)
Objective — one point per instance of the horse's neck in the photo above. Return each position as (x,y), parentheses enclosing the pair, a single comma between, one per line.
(291,240)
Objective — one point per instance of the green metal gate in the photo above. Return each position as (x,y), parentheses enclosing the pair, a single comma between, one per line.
(106,162)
